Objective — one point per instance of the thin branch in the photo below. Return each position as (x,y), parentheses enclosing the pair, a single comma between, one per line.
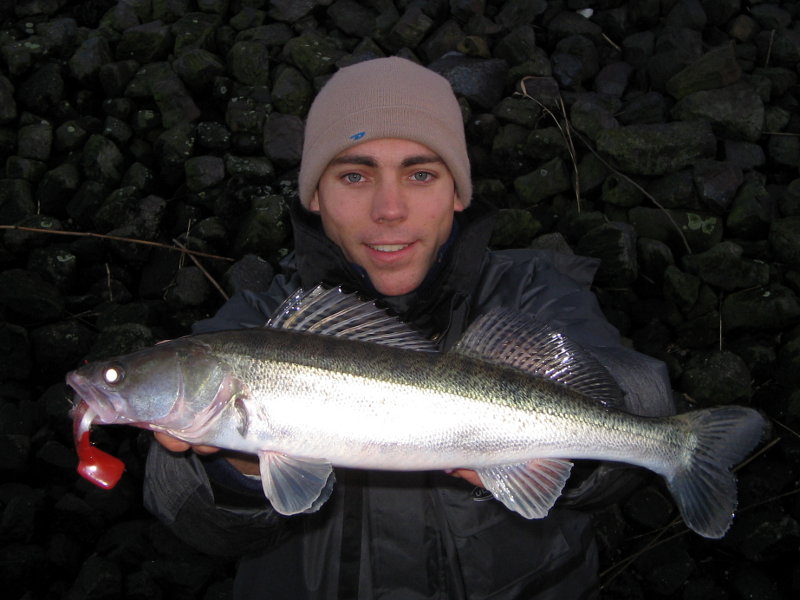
(206,273)
(116,238)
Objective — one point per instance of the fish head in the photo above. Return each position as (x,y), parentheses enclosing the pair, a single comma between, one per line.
(174,387)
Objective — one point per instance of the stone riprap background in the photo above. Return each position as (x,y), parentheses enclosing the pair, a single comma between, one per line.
(661,136)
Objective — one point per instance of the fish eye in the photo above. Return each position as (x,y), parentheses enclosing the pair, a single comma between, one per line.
(113,374)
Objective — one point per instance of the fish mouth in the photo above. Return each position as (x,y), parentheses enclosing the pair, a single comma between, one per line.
(97,404)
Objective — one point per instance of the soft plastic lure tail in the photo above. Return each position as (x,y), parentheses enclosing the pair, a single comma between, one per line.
(94,464)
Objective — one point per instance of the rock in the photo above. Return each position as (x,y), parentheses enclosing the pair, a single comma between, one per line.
(191,288)
(784,240)
(734,111)
(770,308)
(716,183)
(292,93)
(102,160)
(198,68)
(195,31)
(263,226)
(514,228)
(549,179)
(677,228)
(203,172)
(715,378)
(657,149)
(28,295)
(145,43)
(723,266)
(248,273)
(283,139)
(248,63)
(614,244)
(15,360)
(717,68)
(479,80)
(312,54)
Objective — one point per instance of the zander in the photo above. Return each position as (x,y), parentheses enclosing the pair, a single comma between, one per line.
(335,381)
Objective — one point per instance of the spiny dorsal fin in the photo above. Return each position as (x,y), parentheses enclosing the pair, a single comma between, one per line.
(331,311)
(517,339)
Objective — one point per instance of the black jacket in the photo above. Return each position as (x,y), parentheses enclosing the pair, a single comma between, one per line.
(410,535)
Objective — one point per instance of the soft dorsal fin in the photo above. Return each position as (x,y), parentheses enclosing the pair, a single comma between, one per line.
(331,311)
(517,339)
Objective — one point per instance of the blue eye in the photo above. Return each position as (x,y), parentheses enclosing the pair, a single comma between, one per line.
(422,176)
(353,178)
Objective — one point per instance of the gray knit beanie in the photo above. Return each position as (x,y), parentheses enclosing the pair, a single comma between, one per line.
(384,98)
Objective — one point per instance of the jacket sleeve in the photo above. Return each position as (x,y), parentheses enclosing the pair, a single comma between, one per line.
(204,500)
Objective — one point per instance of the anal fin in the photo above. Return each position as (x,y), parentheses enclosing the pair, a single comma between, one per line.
(295,485)
(530,488)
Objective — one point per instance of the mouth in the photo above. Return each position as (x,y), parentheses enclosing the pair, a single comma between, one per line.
(101,408)
(388,247)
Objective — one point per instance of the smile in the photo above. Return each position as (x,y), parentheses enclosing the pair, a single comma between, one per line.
(388,247)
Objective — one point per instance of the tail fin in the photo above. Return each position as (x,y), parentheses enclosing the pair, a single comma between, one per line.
(705,488)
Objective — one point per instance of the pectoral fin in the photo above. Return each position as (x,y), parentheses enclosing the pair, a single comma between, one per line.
(295,485)
(529,488)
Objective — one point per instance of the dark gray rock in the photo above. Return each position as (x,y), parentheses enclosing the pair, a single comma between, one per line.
(59,347)
(313,54)
(715,378)
(43,90)
(263,228)
(198,68)
(514,228)
(251,272)
(784,239)
(592,113)
(716,183)
(752,211)
(658,148)
(717,68)
(102,160)
(121,339)
(518,46)
(353,18)
(249,168)
(35,141)
(648,107)
(191,288)
(175,104)
(614,244)
(28,295)
(613,79)
(145,43)
(90,57)
(15,360)
(292,93)
(481,81)
(771,308)
(248,63)
(203,172)
(195,30)
(548,179)
(734,111)
(678,228)
(290,11)
(724,267)
(409,30)
(649,507)
(283,139)
(16,201)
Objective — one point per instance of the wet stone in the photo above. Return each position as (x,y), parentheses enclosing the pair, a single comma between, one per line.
(198,68)
(292,93)
(250,272)
(770,308)
(734,111)
(145,43)
(723,266)
(203,172)
(250,168)
(479,80)
(657,149)
(548,179)
(313,54)
(283,139)
(30,296)
(248,63)
(715,69)
(614,244)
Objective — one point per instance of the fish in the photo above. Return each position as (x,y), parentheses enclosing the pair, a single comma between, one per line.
(333,380)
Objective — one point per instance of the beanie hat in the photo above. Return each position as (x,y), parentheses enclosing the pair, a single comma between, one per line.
(384,98)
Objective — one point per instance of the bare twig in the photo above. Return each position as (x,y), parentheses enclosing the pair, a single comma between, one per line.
(199,266)
(116,238)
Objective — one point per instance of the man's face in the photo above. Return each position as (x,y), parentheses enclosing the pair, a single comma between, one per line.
(389,205)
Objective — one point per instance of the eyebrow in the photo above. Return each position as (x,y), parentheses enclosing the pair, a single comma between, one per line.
(369,161)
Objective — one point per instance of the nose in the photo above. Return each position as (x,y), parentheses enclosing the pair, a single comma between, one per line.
(388,202)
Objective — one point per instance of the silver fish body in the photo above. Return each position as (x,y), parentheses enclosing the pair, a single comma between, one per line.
(305,402)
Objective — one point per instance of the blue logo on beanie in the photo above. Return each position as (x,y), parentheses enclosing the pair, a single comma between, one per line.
(358,136)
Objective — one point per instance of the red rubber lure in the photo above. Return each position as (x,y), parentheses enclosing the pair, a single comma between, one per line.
(94,464)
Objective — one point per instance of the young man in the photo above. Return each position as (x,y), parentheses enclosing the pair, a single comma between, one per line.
(386,208)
